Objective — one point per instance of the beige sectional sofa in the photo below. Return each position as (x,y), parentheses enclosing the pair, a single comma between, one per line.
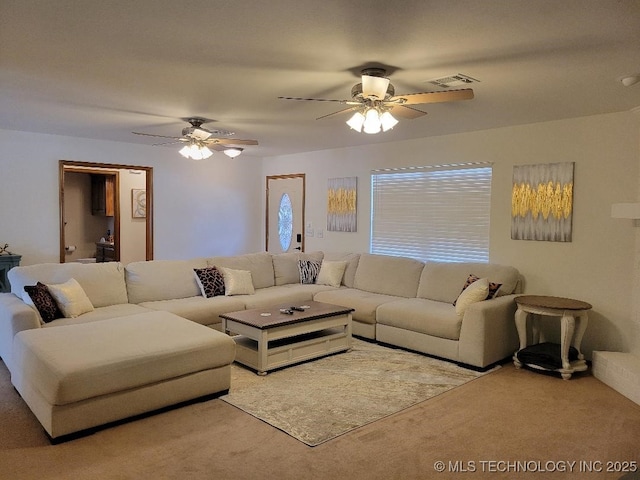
(113,359)
(399,301)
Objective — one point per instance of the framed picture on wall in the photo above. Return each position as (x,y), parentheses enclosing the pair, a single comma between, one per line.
(341,204)
(138,203)
(542,202)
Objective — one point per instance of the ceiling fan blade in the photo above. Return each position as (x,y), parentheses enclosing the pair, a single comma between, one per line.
(316,99)
(159,136)
(181,140)
(434,97)
(217,148)
(374,87)
(406,112)
(229,141)
(346,110)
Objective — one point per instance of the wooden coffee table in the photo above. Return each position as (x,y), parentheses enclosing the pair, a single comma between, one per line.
(267,339)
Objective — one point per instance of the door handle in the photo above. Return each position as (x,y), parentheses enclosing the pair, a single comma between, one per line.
(298,248)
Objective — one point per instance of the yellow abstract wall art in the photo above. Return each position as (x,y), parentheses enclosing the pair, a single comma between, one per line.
(341,204)
(542,202)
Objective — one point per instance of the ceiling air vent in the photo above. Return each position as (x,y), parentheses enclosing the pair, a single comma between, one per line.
(456,80)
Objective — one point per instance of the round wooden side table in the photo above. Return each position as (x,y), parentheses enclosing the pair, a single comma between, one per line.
(573,323)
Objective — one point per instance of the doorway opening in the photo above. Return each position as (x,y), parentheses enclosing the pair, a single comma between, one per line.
(92,197)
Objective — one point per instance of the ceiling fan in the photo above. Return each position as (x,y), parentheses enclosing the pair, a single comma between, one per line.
(199,141)
(376,105)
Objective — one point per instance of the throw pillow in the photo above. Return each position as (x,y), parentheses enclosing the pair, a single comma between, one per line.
(71,298)
(493,287)
(308,270)
(43,301)
(331,273)
(476,292)
(210,280)
(237,282)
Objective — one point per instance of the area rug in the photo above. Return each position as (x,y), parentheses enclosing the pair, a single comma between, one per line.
(325,398)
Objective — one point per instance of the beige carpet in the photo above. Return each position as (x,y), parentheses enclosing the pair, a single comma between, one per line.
(325,398)
(513,415)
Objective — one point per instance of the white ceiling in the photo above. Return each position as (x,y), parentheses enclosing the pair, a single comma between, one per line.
(101,69)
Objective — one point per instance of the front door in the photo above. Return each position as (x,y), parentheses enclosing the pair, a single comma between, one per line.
(285,213)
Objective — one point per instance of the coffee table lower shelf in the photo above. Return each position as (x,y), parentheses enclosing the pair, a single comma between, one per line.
(280,353)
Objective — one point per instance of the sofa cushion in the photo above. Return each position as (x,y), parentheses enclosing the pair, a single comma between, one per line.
(104,283)
(352,260)
(292,294)
(331,273)
(493,288)
(442,281)
(237,282)
(419,315)
(285,266)
(205,311)
(474,293)
(152,280)
(101,313)
(259,264)
(309,270)
(44,302)
(210,280)
(71,298)
(114,356)
(388,275)
(364,303)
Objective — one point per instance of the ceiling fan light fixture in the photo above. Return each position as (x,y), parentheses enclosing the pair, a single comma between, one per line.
(356,121)
(195,153)
(232,152)
(206,153)
(388,121)
(186,151)
(200,133)
(372,121)
(375,87)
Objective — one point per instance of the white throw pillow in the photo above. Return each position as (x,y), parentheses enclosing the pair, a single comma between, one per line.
(331,273)
(237,282)
(71,298)
(476,292)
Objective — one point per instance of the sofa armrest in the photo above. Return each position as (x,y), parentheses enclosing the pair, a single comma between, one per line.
(15,316)
(488,333)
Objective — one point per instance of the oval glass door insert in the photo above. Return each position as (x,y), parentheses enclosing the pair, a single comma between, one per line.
(285,222)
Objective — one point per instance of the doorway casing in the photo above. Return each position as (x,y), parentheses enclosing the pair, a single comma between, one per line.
(271,178)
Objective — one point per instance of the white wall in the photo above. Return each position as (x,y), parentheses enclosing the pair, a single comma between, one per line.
(200,208)
(597,266)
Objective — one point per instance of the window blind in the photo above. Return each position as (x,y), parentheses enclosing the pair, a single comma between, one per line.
(438,213)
